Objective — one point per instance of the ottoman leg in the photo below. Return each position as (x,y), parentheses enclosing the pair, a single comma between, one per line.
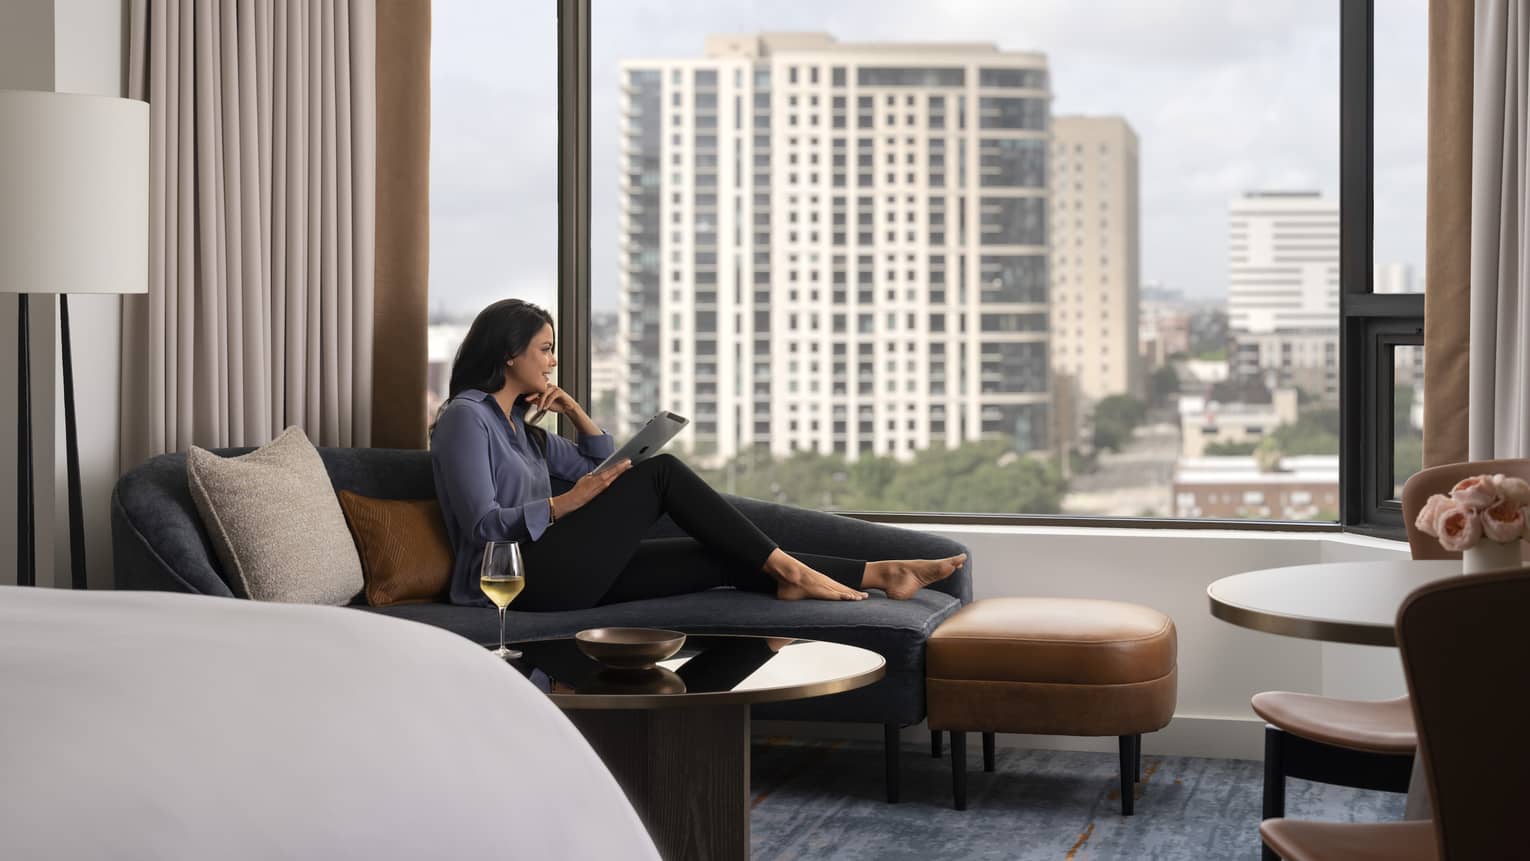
(890,751)
(1128,749)
(935,744)
(959,769)
(988,751)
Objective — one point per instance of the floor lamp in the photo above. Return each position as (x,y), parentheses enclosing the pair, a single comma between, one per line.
(74,218)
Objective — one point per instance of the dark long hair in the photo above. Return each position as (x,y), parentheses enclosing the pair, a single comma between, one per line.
(499,333)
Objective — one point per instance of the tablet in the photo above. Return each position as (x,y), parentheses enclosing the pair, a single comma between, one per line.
(655,434)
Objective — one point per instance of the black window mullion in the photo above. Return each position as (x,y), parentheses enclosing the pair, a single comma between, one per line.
(1356,63)
(574,202)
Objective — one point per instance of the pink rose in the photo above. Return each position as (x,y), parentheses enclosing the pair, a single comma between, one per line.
(1430,513)
(1458,527)
(1503,522)
(1477,491)
(1515,490)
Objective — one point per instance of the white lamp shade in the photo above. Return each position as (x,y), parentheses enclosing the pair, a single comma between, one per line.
(74,193)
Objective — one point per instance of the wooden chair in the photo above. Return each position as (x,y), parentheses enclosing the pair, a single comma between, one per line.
(1360,743)
(1464,652)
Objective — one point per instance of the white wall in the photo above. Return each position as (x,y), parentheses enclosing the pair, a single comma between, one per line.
(1220,665)
(75,46)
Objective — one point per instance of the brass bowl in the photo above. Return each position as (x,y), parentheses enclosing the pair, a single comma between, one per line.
(629,648)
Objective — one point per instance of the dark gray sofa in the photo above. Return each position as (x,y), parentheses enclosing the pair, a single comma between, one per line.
(158,543)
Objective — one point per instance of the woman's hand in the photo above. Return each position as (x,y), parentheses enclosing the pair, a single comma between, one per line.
(589,486)
(554,400)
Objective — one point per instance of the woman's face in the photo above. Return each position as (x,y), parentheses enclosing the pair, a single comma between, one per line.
(532,369)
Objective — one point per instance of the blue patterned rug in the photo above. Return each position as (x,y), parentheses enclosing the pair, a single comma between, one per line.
(825,800)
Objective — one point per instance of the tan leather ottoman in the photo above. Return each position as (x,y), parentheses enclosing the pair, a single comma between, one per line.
(1051,666)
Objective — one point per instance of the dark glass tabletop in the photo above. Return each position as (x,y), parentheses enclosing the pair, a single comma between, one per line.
(708,670)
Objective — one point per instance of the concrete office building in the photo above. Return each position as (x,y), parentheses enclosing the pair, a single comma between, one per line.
(1283,288)
(1095,255)
(836,247)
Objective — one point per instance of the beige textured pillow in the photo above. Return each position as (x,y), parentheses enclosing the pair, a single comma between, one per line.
(275,522)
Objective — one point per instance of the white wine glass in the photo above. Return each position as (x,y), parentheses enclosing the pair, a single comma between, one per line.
(502,576)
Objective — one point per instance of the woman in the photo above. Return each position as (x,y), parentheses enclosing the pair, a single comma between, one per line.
(582,548)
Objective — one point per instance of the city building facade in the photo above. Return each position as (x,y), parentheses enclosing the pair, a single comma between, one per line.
(1205,422)
(836,247)
(1300,488)
(1283,289)
(1095,255)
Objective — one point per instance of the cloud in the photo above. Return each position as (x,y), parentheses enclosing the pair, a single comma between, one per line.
(1224,96)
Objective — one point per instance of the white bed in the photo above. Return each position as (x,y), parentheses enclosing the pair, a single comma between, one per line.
(153,725)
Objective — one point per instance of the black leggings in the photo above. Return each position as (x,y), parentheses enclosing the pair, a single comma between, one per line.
(597,555)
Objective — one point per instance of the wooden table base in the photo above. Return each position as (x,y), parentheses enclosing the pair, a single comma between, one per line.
(685,770)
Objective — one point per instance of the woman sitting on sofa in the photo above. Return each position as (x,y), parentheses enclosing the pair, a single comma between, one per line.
(493,466)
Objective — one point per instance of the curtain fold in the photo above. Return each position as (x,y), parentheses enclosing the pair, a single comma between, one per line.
(1447,278)
(1499,415)
(263,194)
(403,223)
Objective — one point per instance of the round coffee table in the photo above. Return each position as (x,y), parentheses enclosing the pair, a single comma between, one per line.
(677,737)
(1336,602)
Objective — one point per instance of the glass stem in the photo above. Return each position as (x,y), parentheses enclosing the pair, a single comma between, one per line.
(502,629)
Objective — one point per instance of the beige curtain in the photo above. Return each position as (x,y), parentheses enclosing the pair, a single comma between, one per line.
(403,223)
(1447,278)
(1500,245)
(263,150)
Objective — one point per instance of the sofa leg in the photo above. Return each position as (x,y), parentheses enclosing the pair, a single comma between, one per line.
(1274,782)
(959,769)
(1128,750)
(890,751)
(935,744)
(988,740)
(1137,744)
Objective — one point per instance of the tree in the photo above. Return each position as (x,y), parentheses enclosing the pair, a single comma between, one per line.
(986,476)
(1115,418)
(1216,449)
(1407,441)
(806,478)
(1315,432)
(1162,384)
(1407,458)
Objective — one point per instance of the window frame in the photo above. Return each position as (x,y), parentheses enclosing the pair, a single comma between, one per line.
(1370,323)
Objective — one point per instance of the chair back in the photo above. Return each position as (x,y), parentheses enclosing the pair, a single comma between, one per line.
(1440,479)
(1468,666)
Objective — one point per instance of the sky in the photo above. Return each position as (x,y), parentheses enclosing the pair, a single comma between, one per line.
(1224,95)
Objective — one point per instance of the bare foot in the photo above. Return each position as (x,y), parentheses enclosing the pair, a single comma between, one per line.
(903,578)
(797,582)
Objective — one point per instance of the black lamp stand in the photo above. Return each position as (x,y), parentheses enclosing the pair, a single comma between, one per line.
(26,554)
(26,558)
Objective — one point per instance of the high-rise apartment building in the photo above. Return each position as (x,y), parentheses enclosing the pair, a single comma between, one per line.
(1283,288)
(836,247)
(1395,278)
(1095,257)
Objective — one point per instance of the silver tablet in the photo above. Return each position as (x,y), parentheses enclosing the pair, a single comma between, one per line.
(654,435)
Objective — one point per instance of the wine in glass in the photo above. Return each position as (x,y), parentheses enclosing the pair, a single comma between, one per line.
(501,576)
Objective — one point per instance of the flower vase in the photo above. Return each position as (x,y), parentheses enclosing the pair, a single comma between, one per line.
(1491,556)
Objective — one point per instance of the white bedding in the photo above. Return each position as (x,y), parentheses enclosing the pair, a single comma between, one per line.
(151,725)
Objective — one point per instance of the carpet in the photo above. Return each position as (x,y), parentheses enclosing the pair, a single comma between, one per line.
(825,800)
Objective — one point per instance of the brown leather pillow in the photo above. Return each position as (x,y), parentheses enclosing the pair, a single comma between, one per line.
(405,555)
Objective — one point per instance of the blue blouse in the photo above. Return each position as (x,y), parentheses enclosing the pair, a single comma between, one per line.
(493,482)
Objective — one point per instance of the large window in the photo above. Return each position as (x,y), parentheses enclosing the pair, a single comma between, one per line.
(493,167)
(1013,261)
